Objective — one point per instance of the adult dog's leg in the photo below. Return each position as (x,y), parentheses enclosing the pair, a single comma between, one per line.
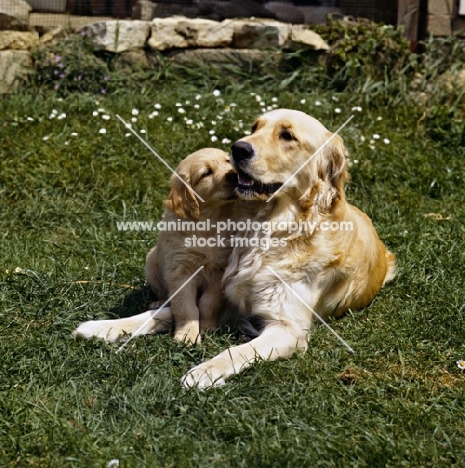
(278,340)
(152,321)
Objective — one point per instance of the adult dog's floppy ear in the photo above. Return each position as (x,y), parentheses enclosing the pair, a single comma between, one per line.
(326,181)
(182,200)
(332,172)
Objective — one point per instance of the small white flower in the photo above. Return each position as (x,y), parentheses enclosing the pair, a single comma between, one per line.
(197,97)
(386,141)
(178,104)
(127,134)
(212,132)
(461,364)
(52,116)
(187,103)
(362,138)
(247,132)
(62,116)
(317,103)
(30,119)
(356,108)
(95,113)
(335,98)
(18,270)
(216,92)
(274,99)
(135,112)
(337,110)
(189,122)
(376,136)
(379,118)
(105,117)
(233,104)
(214,122)
(303,101)
(226,141)
(114,463)
(103,131)
(46,137)
(128,125)
(66,143)
(274,106)
(196,106)
(169,119)
(355,161)
(74,134)
(143,131)
(258,98)
(101,110)
(269,108)
(54,111)
(134,119)
(181,110)
(157,106)
(214,138)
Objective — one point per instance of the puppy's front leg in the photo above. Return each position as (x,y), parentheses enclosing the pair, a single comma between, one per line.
(278,340)
(186,314)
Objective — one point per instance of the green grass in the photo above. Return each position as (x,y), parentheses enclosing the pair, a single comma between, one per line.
(398,401)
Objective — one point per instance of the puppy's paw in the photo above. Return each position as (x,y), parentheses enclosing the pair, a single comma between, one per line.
(105,329)
(188,334)
(203,376)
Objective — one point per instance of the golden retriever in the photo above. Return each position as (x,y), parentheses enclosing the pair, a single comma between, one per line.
(319,266)
(178,254)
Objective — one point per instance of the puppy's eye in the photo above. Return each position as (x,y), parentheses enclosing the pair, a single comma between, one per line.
(207,173)
(254,127)
(286,136)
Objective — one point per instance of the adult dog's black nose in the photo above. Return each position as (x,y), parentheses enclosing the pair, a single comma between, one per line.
(241,150)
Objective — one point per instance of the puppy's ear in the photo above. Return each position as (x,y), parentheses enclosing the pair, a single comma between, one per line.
(182,200)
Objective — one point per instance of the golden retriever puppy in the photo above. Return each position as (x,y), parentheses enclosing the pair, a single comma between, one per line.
(187,243)
(324,255)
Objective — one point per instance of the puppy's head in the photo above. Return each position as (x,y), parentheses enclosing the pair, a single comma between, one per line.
(294,153)
(208,173)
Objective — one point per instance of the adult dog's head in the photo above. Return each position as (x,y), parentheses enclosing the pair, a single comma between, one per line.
(294,155)
(208,173)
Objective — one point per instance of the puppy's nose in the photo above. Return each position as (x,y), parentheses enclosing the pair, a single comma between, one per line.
(241,150)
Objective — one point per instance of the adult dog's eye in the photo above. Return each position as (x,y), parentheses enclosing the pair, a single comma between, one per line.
(287,136)
(207,173)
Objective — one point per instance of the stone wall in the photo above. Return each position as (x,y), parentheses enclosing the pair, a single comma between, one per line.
(182,40)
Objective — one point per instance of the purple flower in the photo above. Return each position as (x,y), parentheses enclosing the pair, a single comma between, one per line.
(106,78)
(57,58)
(62,75)
(79,77)
(55,72)
(60,65)
(103,91)
(56,87)
(83,33)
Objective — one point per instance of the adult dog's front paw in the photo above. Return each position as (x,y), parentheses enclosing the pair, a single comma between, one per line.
(105,329)
(206,375)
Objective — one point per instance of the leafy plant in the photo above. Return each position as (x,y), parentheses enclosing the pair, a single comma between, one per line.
(69,65)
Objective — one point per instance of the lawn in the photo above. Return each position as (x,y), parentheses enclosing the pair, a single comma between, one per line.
(70,170)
